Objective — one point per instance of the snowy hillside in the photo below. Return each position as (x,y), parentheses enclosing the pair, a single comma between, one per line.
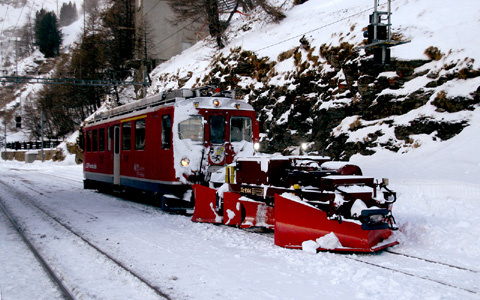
(310,83)
(14,15)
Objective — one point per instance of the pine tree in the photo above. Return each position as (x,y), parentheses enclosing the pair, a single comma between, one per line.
(119,27)
(47,35)
(68,14)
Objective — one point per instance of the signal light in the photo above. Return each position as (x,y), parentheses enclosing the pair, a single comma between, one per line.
(18,122)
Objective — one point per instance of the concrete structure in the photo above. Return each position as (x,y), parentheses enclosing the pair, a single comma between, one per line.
(27,156)
(164,38)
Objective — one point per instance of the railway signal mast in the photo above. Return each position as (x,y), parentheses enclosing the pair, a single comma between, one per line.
(379,34)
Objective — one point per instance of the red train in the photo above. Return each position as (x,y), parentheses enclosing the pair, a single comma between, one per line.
(163,144)
(204,141)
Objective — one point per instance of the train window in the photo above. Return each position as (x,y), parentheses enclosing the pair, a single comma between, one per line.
(217,129)
(140,134)
(101,139)
(166,132)
(116,139)
(94,140)
(110,137)
(126,136)
(192,129)
(89,141)
(240,129)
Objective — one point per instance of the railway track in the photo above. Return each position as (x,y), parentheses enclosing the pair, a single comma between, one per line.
(75,247)
(438,272)
(432,261)
(44,264)
(461,280)
(450,275)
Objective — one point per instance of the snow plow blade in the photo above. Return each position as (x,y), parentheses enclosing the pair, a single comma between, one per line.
(297,222)
(246,213)
(205,205)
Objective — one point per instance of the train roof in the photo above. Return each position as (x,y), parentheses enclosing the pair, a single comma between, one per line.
(201,98)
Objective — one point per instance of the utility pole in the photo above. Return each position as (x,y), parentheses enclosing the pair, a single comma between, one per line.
(84,19)
(42,137)
(5,124)
(145,63)
(379,34)
(16,56)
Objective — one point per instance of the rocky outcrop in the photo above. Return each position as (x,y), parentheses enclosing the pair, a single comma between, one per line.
(309,95)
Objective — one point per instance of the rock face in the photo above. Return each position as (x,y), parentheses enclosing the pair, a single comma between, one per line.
(341,103)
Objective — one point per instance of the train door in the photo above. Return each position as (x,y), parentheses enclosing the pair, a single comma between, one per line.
(116,155)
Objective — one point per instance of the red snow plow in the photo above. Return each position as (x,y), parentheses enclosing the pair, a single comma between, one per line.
(311,203)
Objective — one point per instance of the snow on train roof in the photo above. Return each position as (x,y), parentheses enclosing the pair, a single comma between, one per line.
(176,98)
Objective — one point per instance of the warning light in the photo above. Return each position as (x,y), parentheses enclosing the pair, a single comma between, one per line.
(18,122)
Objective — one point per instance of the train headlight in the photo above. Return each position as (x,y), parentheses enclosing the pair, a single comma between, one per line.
(256,146)
(185,162)
(216,103)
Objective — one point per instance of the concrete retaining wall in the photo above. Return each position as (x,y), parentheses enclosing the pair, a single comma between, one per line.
(21,155)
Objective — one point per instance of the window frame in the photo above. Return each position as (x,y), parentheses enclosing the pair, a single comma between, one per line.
(94,140)
(188,129)
(89,141)
(127,139)
(251,128)
(110,137)
(139,133)
(210,126)
(101,139)
(166,131)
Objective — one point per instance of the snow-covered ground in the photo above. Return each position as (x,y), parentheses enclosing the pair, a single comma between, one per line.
(438,210)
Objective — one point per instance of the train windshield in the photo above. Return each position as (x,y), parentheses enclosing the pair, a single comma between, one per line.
(191,129)
(241,129)
(217,129)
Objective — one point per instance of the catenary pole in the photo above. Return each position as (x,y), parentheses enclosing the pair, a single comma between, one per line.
(5,124)
(42,136)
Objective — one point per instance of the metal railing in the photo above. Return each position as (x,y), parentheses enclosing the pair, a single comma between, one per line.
(37,145)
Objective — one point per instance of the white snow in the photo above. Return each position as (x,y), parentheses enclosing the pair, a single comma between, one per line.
(438,186)
(438,209)
(328,241)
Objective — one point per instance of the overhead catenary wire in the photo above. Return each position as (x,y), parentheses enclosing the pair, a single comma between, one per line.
(257,50)
(315,29)
(4,18)
(16,25)
(307,32)
(155,5)
(158,43)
